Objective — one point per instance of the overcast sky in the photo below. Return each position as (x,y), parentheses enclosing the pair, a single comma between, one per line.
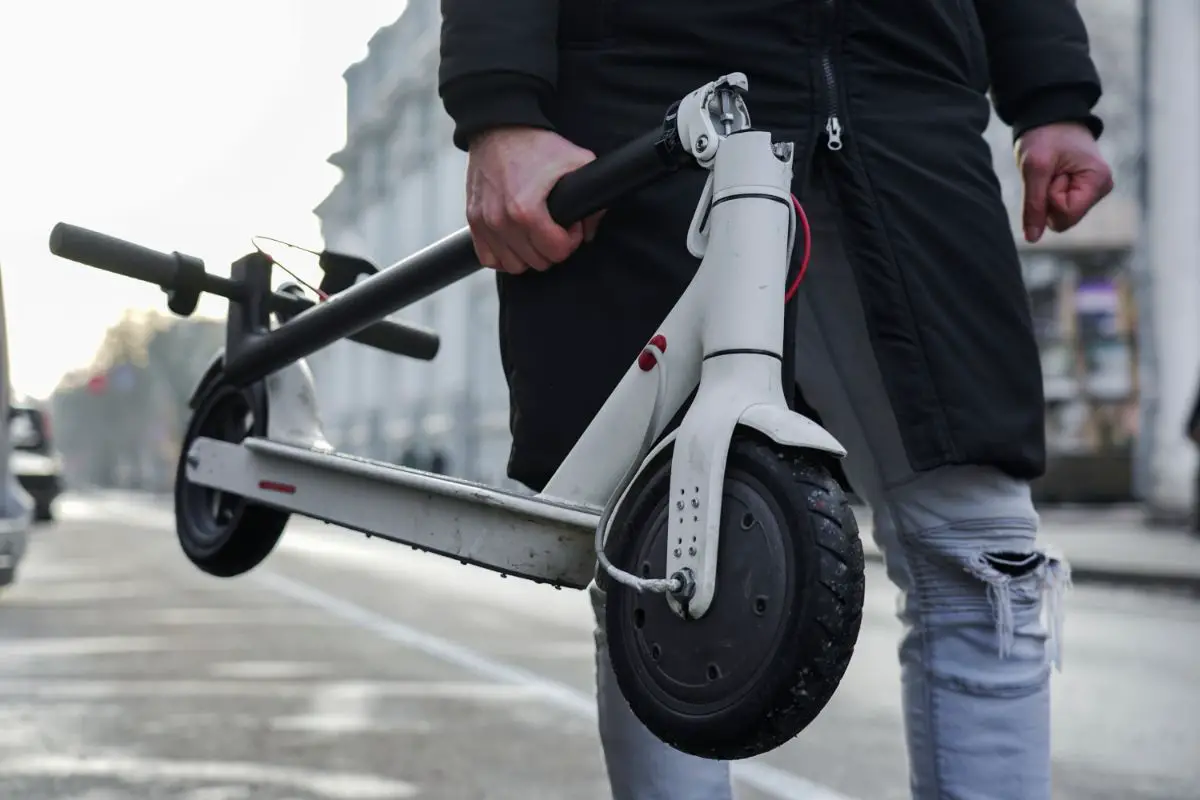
(182,126)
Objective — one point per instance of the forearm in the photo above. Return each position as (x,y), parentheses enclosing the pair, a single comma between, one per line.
(1040,63)
(499,64)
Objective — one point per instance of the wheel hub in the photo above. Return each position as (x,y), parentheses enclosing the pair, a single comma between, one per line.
(698,666)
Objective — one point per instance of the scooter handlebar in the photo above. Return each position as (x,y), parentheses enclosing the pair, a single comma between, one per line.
(600,183)
(111,254)
(118,256)
(357,312)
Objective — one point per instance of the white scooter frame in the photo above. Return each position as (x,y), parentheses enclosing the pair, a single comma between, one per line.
(724,335)
(736,661)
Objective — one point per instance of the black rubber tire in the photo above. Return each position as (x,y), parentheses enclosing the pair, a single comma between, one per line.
(43,512)
(817,630)
(235,546)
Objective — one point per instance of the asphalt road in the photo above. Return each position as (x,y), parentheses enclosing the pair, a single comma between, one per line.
(349,669)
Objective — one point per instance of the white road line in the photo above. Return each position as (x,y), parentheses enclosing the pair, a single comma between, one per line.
(763,777)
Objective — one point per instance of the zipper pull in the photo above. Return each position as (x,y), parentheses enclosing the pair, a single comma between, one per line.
(833,130)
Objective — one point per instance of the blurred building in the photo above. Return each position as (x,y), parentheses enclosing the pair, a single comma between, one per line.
(403,188)
(1085,311)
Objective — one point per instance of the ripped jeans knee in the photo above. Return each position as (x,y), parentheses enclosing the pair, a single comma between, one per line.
(1035,580)
(988,574)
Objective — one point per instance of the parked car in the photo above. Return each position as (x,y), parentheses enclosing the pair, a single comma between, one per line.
(15,503)
(34,460)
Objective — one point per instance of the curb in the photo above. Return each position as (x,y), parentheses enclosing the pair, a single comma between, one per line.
(1128,578)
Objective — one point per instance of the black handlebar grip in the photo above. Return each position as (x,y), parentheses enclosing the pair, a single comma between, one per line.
(112,254)
(398,338)
(401,340)
(598,184)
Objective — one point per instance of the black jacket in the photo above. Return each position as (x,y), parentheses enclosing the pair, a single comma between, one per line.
(927,232)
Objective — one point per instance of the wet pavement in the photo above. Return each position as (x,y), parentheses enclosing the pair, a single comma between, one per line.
(353,669)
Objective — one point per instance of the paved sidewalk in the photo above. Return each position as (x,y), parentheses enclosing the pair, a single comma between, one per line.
(1107,544)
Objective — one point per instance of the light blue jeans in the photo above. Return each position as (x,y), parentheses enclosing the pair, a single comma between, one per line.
(980,600)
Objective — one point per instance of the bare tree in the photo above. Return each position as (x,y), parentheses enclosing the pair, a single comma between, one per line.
(151,363)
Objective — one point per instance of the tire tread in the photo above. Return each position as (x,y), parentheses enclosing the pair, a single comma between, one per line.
(818,659)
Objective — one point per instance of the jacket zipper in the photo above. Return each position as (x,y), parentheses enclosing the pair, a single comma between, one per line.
(833,124)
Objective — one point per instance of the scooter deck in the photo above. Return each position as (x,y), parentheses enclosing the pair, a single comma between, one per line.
(533,537)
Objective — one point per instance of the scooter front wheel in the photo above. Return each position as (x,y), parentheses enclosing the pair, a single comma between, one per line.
(221,533)
(765,659)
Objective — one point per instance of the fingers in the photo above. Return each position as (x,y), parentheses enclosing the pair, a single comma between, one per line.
(554,242)
(590,225)
(493,254)
(498,243)
(1058,215)
(517,237)
(1071,197)
(1036,172)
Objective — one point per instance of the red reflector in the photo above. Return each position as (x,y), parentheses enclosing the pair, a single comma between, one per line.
(276,486)
(647,359)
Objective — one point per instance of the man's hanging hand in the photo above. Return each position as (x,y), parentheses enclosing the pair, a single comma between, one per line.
(1064,176)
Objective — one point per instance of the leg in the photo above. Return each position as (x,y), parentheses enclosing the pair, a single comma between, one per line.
(959,545)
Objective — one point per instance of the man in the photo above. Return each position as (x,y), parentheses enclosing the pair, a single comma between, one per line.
(914,344)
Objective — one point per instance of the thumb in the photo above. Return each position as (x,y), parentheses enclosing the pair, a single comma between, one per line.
(1036,186)
(581,157)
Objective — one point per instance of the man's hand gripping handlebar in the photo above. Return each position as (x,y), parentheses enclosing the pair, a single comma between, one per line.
(512,171)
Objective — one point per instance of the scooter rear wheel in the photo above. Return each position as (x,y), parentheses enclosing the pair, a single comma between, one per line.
(221,533)
(762,663)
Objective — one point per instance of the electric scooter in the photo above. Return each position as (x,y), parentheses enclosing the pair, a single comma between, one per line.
(697,497)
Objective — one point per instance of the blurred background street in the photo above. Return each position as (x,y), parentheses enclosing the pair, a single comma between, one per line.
(1115,301)
(353,669)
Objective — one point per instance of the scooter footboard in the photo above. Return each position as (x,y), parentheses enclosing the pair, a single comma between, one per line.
(538,539)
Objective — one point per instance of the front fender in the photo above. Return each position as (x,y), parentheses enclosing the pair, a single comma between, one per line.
(790,429)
